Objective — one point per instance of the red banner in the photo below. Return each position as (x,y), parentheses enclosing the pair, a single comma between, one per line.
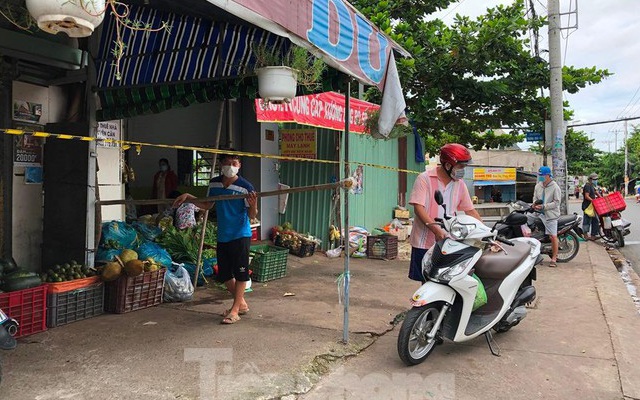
(324,110)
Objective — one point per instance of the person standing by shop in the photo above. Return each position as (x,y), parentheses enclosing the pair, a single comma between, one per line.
(447,178)
(546,200)
(234,230)
(165,181)
(590,223)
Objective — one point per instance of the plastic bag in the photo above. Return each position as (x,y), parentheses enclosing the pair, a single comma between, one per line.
(590,211)
(191,269)
(107,255)
(118,235)
(155,252)
(149,232)
(207,267)
(177,285)
(358,241)
(481,295)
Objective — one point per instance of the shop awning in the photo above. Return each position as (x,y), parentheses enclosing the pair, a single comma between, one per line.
(493,183)
(218,49)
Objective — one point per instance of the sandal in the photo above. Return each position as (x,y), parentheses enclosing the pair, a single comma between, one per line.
(230,319)
(553,264)
(242,311)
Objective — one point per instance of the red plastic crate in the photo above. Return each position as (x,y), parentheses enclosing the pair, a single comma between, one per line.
(127,294)
(28,307)
(610,203)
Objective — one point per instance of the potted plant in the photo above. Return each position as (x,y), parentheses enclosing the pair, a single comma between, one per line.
(79,18)
(279,75)
(371,127)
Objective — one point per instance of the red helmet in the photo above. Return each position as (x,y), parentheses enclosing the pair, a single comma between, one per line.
(454,153)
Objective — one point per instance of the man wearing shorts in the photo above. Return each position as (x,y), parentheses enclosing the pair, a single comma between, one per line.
(447,178)
(234,231)
(547,199)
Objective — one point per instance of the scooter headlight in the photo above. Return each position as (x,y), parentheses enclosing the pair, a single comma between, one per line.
(447,274)
(459,231)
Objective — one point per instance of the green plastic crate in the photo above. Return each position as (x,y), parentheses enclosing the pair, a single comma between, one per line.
(268,262)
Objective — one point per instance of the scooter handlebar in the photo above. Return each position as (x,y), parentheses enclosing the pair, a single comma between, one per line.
(505,241)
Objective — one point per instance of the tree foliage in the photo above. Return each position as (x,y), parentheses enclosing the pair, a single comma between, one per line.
(582,157)
(473,76)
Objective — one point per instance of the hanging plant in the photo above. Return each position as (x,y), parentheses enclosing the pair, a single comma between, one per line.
(280,74)
(78,18)
(371,127)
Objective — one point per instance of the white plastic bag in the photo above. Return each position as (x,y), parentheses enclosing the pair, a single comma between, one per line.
(177,285)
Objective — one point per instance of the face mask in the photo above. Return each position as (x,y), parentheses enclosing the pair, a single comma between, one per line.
(541,178)
(595,183)
(164,167)
(458,174)
(229,171)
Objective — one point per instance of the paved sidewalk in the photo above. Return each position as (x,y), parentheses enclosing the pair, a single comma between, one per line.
(578,342)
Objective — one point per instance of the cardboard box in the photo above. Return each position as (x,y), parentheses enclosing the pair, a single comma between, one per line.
(401,214)
(400,233)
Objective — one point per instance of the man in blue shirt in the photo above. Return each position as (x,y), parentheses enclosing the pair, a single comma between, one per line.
(234,230)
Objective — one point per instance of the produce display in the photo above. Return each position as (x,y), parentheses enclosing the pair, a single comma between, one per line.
(67,272)
(13,278)
(299,244)
(127,263)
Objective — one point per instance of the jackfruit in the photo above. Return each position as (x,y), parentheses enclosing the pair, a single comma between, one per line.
(128,255)
(111,271)
(134,267)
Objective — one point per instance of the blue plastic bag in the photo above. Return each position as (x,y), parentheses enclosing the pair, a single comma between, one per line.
(149,232)
(191,268)
(106,255)
(207,268)
(118,235)
(155,252)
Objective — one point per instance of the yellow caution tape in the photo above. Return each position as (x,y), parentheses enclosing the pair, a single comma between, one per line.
(126,144)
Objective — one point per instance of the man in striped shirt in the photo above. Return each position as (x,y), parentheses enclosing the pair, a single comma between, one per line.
(447,178)
(234,231)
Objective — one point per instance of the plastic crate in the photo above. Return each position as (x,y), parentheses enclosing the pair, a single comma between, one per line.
(28,307)
(306,248)
(75,305)
(268,262)
(384,247)
(610,203)
(127,294)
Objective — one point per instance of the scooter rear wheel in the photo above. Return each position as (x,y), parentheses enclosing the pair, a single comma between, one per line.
(618,237)
(413,345)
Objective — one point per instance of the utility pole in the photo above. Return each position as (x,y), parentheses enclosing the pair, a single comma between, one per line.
(626,162)
(558,158)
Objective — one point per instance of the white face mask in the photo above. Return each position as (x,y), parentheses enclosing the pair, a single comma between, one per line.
(229,171)
(458,174)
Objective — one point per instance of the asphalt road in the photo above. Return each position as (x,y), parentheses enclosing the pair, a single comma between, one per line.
(632,241)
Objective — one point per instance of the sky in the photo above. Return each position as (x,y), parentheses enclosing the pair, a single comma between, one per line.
(608,37)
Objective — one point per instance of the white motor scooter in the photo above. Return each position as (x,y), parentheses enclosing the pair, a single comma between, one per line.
(443,306)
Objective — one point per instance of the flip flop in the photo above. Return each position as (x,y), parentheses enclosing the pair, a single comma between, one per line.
(230,319)
(240,312)
(553,264)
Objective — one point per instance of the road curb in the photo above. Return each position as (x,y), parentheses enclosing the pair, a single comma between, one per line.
(621,316)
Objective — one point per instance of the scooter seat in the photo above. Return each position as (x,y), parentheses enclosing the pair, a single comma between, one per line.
(566,219)
(499,265)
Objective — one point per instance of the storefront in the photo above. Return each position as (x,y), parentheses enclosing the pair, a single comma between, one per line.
(494,185)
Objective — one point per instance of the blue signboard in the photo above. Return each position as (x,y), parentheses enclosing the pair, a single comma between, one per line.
(534,136)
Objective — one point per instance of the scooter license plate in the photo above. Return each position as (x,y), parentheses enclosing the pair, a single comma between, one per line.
(616,222)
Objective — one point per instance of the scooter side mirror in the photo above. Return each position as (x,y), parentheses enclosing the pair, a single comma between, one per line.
(438,197)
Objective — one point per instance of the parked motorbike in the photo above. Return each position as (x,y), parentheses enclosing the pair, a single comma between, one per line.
(7,341)
(443,306)
(524,221)
(613,228)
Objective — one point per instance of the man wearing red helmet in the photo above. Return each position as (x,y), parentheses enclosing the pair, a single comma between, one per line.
(447,178)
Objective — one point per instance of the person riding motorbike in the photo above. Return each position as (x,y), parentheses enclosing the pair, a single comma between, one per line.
(546,199)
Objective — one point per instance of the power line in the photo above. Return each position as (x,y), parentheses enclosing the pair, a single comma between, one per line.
(603,122)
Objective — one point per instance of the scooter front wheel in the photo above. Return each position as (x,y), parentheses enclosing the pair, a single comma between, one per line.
(568,246)
(413,344)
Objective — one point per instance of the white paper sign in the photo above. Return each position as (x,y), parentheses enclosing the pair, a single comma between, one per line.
(109,130)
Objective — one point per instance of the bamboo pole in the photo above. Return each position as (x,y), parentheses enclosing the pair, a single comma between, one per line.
(324,186)
(206,212)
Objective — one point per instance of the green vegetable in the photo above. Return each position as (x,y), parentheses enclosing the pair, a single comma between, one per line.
(27,282)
